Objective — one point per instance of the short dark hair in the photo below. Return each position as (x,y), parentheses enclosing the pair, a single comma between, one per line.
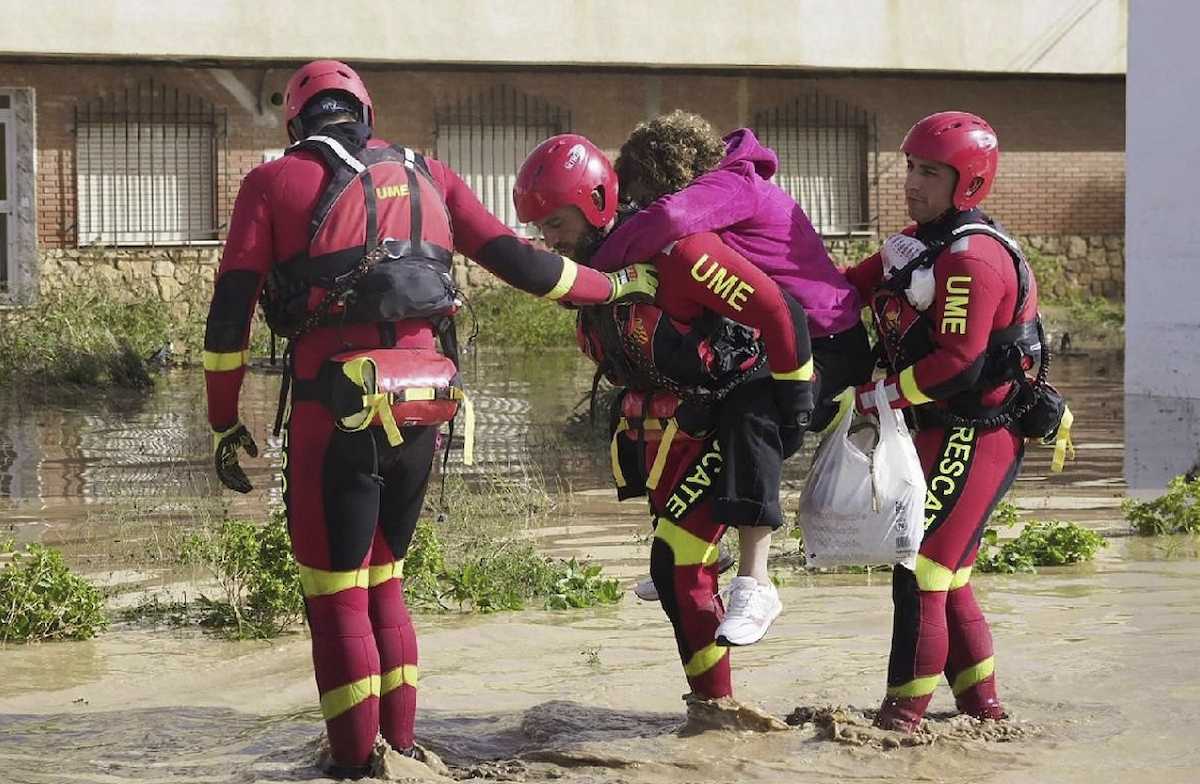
(664,155)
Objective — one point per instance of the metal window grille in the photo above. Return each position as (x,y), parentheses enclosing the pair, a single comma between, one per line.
(824,146)
(7,154)
(147,167)
(485,139)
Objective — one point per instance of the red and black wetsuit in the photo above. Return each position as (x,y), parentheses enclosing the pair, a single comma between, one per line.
(695,484)
(938,626)
(352,499)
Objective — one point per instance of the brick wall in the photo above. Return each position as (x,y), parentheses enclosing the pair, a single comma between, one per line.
(1062,140)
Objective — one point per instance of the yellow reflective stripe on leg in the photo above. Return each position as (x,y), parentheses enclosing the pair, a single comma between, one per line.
(469,428)
(337,701)
(660,457)
(973,675)
(908,387)
(1062,442)
(932,576)
(688,548)
(618,475)
(378,575)
(217,361)
(565,280)
(405,675)
(917,687)
(802,373)
(320,582)
(961,578)
(704,659)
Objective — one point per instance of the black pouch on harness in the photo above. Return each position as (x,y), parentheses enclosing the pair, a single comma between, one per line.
(402,288)
(284,301)
(1046,410)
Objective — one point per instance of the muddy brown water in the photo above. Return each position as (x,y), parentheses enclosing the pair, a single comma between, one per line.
(1096,662)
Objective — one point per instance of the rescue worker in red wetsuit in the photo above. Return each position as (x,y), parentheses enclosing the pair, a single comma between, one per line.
(955,306)
(677,428)
(366,333)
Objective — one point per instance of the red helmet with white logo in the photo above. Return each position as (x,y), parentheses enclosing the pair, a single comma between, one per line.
(965,143)
(317,77)
(565,170)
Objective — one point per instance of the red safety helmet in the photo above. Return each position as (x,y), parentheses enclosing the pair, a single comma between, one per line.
(565,170)
(317,77)
(965,143)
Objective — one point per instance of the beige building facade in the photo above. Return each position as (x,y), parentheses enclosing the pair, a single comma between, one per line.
(125,140)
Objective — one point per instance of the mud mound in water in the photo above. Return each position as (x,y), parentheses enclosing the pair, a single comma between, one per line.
(726,713)
(854,727)
(389,765)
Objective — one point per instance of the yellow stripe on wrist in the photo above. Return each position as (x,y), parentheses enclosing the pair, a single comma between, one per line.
(565,281)
(802,373)
(908,387)
(230,360)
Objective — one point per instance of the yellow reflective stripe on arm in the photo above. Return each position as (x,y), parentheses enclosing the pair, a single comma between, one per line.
(660,457)
(917,687)
(378,575)
(704,659)
(961,578)
(337,701)
(802,373)
(565,280)
(973,675)
(687,548)
(932,576)
(217,361)
(320,582)
(909,388)
(405,675)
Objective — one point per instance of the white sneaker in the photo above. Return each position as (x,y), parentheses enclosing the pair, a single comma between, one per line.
(646,590)
(750,608)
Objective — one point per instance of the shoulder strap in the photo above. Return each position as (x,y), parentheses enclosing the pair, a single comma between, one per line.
(902,278)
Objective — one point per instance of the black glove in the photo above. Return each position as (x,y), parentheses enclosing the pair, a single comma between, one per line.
(225,456)
(794,400)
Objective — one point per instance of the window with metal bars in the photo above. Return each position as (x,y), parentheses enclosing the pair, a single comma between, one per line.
(147,167)
(485,139)
(824,146)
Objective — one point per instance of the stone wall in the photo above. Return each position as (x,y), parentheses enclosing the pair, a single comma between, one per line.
(1065,264)
(181,278)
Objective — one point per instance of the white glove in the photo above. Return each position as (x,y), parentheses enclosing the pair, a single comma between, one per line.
(898,251)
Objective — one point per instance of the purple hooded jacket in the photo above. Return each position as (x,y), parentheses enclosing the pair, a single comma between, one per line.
(754,217)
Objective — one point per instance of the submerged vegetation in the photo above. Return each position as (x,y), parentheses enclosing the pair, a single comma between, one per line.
(475,555)
(1175,512)
(1040,543)
(41,599)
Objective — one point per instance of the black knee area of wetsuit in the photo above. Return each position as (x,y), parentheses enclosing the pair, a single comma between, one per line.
(906,624)
(662,571)
(351,490)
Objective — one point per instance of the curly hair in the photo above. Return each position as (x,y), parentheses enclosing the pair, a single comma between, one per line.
(665,154)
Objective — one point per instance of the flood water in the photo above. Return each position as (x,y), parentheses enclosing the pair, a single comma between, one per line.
(1095,662)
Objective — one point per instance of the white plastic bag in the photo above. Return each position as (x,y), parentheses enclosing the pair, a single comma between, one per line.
(864,503)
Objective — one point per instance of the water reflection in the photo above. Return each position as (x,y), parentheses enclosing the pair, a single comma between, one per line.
(56,459)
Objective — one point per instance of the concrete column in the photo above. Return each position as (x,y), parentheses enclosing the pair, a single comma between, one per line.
(1162,281)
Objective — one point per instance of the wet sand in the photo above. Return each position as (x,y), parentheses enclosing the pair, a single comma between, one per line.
(1096,665)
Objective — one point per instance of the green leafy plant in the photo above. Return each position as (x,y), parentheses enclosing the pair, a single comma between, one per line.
(41,599)
(1175,512)
(259,579)
(513,319)
(1040,543)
